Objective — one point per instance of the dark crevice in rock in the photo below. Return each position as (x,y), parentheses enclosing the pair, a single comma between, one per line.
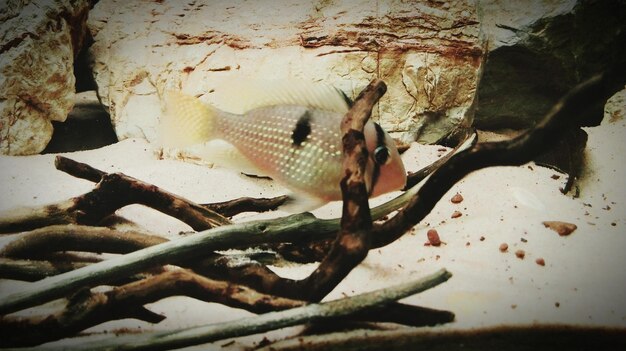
(82,68)
(88,126)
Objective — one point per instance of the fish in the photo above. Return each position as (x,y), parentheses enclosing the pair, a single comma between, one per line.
(287,130)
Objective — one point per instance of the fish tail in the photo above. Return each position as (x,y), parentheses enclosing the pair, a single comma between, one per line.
(186,121)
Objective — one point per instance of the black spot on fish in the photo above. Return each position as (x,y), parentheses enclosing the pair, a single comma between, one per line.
(302,129)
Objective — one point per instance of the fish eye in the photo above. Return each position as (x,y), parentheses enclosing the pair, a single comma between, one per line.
(381,155)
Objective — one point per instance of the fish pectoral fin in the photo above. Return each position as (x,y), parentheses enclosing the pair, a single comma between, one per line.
(301,202)
(245,94)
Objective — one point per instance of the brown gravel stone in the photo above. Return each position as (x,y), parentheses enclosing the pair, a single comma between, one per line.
(456,198)
(562,228)
(433,237)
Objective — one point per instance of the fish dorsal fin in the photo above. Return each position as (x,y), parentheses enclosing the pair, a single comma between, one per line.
(243,95)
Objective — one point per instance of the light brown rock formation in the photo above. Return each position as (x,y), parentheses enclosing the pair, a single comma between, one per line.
(38,42)
(428,54)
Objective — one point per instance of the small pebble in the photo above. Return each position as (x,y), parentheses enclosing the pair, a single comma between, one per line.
(504,247)
(482,238)
(555,176)
(520,254)
(456,214)
(456,198)
(562,228)
(540,261)
(433,237)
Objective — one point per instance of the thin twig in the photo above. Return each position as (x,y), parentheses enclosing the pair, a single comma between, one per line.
(413,182)
(394,312)
(414,178)
(247,204)
(33,270)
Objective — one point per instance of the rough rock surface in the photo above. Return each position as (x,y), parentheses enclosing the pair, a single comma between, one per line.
(539,50)
(428,53)
(38,43)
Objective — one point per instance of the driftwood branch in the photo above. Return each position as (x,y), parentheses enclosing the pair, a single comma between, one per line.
(87,309)
(353,241)
(316,250)
(73,237)
(517,151)
(247,204)
(414,178)
(78,169)
(524,337)
(112,192)
(269,321)
(299,227)
(261,278)
(226,208)
(32,270)
(35,254)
